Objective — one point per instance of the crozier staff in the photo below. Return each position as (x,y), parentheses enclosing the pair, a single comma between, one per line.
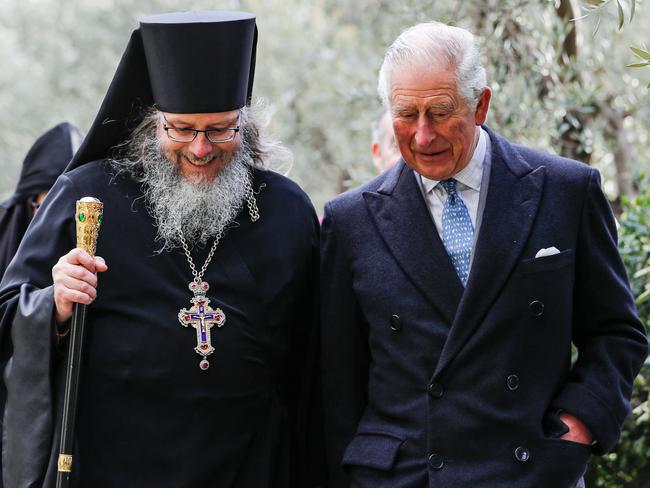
(197,360)
(88,219)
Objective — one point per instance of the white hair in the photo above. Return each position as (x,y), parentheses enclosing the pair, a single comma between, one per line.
(439,46)
(267,151)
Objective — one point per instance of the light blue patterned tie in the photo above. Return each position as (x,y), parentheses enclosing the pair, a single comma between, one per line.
(457,230)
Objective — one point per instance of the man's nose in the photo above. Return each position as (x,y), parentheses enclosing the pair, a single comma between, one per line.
(200,146)
(424,131)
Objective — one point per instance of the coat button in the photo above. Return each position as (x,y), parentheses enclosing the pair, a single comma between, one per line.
(436,390)
(522,454)
(395,323)
(536,308)
(436,461)
(513,382)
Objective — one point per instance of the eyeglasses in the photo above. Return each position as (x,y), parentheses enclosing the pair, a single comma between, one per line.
(188,135)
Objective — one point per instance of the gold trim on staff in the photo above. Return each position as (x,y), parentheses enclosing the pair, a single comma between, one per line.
(65,463)
(89,216)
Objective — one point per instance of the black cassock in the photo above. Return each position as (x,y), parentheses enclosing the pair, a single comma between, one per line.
(148,415)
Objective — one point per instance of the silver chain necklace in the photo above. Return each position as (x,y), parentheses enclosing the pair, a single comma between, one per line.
(200,315)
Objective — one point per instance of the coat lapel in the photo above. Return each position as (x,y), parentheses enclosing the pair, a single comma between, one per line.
(403,220)
(512,201)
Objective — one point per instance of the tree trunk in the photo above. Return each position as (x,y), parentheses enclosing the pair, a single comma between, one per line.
(567,11)
(623,153)
(573,125)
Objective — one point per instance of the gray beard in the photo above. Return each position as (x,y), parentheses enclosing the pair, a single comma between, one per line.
(198,210)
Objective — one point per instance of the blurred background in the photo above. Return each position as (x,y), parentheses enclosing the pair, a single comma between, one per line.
(558,70)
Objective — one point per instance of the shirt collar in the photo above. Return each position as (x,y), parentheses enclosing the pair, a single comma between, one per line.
(470,175)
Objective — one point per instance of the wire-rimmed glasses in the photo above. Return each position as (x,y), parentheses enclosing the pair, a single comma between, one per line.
(178,134)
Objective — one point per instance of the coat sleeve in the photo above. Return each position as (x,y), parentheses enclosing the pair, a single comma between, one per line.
(610,339)
(345,355)
(303,381)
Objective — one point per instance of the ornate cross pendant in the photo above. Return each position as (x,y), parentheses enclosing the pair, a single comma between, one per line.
(202,317)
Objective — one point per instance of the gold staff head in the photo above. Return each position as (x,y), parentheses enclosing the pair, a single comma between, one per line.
(90,212)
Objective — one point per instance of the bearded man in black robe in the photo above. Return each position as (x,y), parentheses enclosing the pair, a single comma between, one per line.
(179,158)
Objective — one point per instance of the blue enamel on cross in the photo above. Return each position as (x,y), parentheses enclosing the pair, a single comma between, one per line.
(202,318)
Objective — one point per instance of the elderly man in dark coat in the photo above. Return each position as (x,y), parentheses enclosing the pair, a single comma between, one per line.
(453,288)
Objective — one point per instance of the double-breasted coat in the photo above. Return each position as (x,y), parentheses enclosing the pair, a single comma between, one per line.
(427,383)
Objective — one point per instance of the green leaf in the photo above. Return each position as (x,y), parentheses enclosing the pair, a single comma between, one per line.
(643,297)
(576,19)
(642,272)
(638,65)
(632,9)
(621,15)
(641,53)
(598,19)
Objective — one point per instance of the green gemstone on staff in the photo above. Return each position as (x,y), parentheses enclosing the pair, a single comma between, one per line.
(100,218)
(82,217)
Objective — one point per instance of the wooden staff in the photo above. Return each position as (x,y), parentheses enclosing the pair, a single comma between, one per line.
(88,218)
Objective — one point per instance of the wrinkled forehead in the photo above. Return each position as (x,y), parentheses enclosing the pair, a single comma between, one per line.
(422,84)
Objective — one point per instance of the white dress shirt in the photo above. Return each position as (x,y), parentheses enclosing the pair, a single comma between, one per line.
(471,179)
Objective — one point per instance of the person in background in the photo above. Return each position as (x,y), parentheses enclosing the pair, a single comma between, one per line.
(385,152)
(44,162)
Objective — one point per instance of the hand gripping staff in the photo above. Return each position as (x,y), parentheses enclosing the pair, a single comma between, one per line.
(88,219)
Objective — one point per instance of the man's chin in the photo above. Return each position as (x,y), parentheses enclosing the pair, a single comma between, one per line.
(201,174)
(199,179)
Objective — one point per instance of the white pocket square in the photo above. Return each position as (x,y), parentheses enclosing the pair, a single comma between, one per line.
(547,251)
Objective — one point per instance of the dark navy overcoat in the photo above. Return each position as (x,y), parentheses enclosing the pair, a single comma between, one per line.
(429,384)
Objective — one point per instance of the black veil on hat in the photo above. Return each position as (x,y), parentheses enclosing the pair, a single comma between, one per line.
(44,162)
(183,62)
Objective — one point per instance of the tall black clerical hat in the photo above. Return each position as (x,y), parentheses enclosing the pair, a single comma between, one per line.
(183,62)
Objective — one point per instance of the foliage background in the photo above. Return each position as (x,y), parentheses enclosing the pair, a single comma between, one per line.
(629,464)
(555,88)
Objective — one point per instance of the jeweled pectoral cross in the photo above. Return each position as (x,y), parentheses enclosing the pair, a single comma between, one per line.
(202,317)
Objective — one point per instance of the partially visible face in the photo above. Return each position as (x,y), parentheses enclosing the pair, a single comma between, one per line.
(435,128)
(38,201)
(385,152)
(199,160)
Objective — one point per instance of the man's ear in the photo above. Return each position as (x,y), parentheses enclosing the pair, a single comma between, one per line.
(375,149)
(376,159)
(480,115)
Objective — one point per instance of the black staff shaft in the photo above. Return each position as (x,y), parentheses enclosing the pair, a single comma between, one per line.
(88,217)
(72,375)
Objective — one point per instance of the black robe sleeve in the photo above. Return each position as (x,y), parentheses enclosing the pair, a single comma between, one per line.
(28,345)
